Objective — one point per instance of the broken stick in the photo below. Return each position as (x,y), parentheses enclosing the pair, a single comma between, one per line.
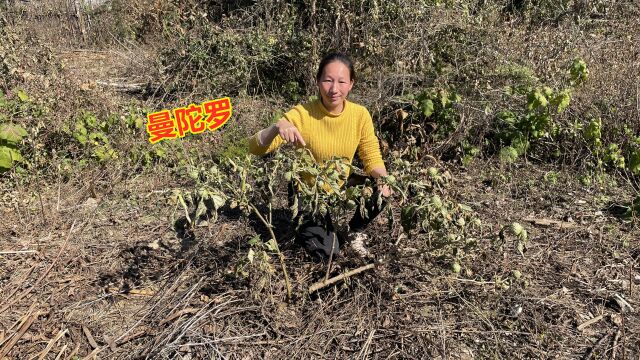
(324,283)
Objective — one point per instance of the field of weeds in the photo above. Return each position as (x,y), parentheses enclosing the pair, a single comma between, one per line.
(512,129)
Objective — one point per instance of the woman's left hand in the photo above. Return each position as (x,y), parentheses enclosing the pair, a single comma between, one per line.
(386,191)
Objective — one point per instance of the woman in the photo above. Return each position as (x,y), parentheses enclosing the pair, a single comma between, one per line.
(330,126)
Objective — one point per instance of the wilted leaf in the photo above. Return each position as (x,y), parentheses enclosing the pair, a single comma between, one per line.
(218,201)
(271,245)
(401,114)
(408,218)
(201,209)
(12,133)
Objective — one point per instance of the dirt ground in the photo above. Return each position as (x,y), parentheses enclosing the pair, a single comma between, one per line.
(107,276)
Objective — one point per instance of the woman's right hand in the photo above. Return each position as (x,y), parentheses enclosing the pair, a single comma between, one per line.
(289,133)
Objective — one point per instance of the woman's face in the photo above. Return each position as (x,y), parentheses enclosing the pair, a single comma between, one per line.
(334,85)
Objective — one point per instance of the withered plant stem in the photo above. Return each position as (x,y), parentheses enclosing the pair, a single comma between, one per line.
(280,256)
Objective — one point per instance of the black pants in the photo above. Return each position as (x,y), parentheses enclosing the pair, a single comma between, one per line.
(319,237)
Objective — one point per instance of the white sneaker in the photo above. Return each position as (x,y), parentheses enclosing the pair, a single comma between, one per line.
(358,241)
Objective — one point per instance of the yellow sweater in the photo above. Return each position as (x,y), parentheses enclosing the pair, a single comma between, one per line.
(328,135)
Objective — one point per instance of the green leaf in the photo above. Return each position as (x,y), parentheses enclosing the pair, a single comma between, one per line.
(427,107)
(508,155)
(536,99)
(634,162)
(579,71)
(563,99)
(254,240)
(23,96)
(12,133)
(8,156)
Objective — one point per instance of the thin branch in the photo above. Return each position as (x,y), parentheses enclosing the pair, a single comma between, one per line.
(324,283)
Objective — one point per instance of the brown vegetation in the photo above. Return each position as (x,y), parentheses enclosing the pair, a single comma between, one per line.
(93,263)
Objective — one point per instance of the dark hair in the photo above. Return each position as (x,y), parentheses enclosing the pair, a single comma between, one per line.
(336,56)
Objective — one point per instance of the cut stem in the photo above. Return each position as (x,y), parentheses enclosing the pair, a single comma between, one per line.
(275,242)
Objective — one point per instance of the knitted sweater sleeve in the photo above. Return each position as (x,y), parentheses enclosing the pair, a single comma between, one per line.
(369,148)
(293,116)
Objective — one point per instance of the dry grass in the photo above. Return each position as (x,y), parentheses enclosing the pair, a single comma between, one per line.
(178,297)
(92,267)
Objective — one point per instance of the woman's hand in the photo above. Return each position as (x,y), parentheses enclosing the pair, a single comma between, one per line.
(289,133)
(386,191)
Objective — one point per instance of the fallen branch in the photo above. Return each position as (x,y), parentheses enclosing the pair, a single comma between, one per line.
(324,283)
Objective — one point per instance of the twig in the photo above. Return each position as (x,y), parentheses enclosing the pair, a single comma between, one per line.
(43,276)
(9,252)
(124,87)
(132,337)
(587,323)
(604,339)
(24,280)
(322,284)
(333,245)
(41,208)
(87,333)
(365,349)
(232,340)
(178,314)
(52,342)
(23,329)
(64,348)
(280,255)
(614,350)
(92,355)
